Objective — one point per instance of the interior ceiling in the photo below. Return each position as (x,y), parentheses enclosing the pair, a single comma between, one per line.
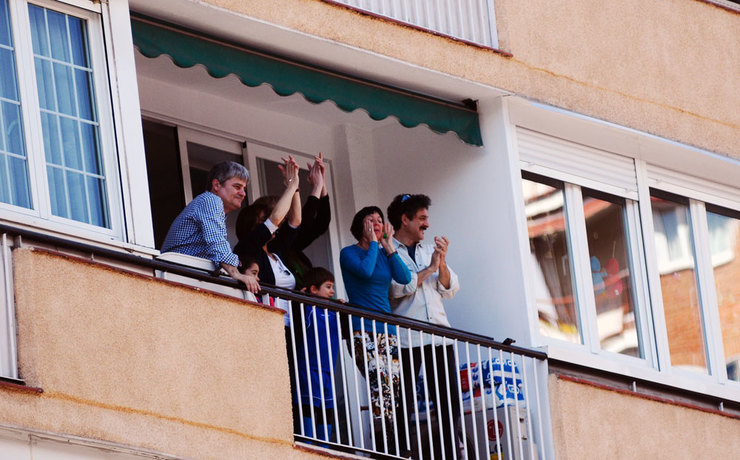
(262,97)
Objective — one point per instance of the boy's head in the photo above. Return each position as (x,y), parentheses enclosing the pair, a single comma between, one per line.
(320,282)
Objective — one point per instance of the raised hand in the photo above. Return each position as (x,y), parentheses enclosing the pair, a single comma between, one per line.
(368,232)
(441,244)
(387,239)
(316,178)
(289,170)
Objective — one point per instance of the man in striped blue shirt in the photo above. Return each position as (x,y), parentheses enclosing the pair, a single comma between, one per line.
(200,229)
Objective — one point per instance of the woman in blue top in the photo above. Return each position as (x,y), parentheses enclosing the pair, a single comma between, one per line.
(367,269)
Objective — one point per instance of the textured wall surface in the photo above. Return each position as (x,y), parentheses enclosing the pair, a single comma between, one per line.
(590,422)
(127,359)
(667,67)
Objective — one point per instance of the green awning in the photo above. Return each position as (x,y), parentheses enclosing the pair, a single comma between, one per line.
(286,77)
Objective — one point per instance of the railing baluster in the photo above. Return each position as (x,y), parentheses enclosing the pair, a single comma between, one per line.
(403,405)
(516,405)
(322,390)
(413,395)
(438,401)
(426,393)
(473,420)
(367,382)
(11,358)
(381,398)
(331,347)
(530,432)
(483,402)
(493,404)
(357,388)
(535,365)
(389,363)
(345,388)
(450,415)
(507,426)
(308,372)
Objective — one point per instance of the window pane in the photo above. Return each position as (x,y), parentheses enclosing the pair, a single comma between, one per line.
(549,247)
(38,30)
(610,270)
(71,143)
(84,94)
(77,197)
(89,147)
(675,253)
(724,235)
(14,181)
(69,119)
(56,192)
(58,36)
(63,86)
(77,39)
(52,141)
(8,85)
(4,24)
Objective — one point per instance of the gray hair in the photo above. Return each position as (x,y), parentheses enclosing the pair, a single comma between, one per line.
(226,170)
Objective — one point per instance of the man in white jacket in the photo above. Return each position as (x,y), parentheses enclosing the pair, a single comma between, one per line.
(421,299)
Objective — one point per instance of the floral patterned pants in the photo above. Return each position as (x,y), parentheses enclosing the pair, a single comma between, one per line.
(380,353)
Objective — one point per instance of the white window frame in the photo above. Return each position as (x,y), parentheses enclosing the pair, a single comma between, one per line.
(583,293)
(40,214)
(656,162)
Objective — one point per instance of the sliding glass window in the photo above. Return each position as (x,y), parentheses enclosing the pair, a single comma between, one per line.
(676,262)
(724,241)
(550,252)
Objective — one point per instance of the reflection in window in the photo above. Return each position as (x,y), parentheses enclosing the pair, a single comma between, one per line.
(68,116)
(610,271)
(724,234)
(678,281)
(14,186)
(548,243)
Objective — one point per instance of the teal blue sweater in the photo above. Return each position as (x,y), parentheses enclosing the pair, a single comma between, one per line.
(367,278)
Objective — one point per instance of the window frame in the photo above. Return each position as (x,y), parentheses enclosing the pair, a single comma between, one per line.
(40,214)
(582,280)
(656,165)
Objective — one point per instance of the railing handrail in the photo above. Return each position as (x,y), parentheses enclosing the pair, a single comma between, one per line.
(201,275)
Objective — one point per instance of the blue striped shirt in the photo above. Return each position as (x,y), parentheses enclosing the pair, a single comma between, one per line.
(200,231)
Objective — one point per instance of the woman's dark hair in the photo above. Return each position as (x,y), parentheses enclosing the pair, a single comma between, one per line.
(356,227)
(246,261)
(249,216)
(406,205)
(316,276)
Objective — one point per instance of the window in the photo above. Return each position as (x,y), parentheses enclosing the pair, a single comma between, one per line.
(578,237)
(724,238)
(53,82)
(550,250)
(632,260)
(606,221)
(676,264)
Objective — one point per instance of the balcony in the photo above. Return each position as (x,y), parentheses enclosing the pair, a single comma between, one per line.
(111,337)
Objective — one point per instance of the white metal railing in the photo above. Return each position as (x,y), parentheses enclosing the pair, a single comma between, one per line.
(8,351)
(469,20)
(473,397)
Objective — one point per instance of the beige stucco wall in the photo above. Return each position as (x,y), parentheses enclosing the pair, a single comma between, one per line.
(668,67)
(590,422)
(128,359)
